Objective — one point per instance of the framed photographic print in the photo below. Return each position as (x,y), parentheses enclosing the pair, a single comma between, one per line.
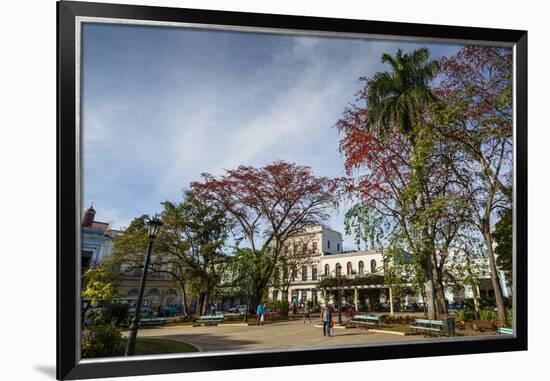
(247,190)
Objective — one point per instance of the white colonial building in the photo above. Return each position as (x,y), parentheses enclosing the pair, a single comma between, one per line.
(314,257)
(323,248)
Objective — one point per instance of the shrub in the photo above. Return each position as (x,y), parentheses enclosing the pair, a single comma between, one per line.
(281,306)
(388,319)
(102,340)
(116,313)
(510,317)
(489,315)
(466,315)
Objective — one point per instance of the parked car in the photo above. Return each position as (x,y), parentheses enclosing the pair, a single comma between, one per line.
(170,309)
(241,309)
(346,307)
(144,310)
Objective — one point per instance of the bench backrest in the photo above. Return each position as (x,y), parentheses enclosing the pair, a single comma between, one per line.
(211,317)
(427,321)
(366,317)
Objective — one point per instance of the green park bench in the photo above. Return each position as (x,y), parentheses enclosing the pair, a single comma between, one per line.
(427,326)
(364,320)
(505,331)
(210,319)
(151,321)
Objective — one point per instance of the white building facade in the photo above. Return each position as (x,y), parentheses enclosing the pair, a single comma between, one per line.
(324,248)
(361,278)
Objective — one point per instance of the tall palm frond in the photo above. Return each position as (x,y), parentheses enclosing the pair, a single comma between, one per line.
(397,97)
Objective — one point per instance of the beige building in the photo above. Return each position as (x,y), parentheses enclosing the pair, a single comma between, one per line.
(159,290)
(316,255)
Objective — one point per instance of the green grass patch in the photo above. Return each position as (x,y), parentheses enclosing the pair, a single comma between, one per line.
(153,346)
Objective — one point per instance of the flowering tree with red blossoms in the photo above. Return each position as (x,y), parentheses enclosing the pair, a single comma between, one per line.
(423,188)
(268,205)
(397,204)
(476,89)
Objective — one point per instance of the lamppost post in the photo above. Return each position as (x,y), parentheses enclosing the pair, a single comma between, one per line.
(338,272)
(154,225)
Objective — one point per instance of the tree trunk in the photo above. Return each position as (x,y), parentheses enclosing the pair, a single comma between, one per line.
(429,288)
(440,301)
(475,296)
(185,309)
(499,299)
(256,298)
(206,302)
(201,304)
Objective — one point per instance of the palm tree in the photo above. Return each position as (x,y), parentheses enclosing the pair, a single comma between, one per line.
(397,98)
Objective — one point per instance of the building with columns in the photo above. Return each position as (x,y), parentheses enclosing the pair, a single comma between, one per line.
(309,277)
(313,277)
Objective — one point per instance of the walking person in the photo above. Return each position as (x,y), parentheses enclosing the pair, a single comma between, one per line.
(306,314)
(265,310)
(326,318)
(259,314)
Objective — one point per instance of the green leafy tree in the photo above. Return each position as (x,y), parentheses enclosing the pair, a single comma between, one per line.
(189,247)
(476,90)
(103,340)
(503,236)
(99,286)
(268,206)
(405,184)
(194,237)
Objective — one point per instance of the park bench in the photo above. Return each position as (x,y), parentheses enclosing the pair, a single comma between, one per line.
(364,320)
(427,326)
(272,315)
(505,331)
(210,319)
(151,321)
(232,316)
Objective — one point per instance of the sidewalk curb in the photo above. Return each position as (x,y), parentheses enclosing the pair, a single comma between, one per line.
(335,326)
(389,332)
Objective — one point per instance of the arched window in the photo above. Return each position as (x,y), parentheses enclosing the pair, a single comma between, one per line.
(373,266)
(338,269)
(154,292)
(133,292)
(361,268)
(327,270)
(349,268)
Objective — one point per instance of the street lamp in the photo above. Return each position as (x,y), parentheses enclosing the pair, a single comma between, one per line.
(153,225)
(338,272)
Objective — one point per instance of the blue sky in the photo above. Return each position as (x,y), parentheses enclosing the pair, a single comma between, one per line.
(162,105)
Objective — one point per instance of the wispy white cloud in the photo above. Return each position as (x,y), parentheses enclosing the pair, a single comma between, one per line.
(206,116)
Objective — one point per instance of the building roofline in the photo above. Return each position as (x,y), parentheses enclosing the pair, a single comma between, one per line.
(353,253)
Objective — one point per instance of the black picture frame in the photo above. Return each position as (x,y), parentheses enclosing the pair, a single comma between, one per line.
(69,365)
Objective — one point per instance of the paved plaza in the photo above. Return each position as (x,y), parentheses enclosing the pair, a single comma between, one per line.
(283,335)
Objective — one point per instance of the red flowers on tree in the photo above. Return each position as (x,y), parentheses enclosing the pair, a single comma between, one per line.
(268,205)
